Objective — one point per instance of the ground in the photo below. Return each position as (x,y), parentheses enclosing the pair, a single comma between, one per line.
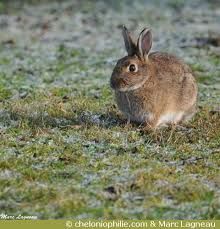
(66,150)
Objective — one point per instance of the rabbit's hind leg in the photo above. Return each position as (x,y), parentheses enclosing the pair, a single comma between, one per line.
(189,114)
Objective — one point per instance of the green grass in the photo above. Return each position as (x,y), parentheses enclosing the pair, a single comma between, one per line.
(65,150)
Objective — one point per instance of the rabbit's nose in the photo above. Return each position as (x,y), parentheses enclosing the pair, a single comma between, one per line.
(113,83)
(117,82)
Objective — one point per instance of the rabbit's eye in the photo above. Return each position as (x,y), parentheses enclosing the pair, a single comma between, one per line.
(132,68)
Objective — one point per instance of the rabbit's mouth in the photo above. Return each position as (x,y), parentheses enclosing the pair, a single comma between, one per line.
(121,85)
(117,83)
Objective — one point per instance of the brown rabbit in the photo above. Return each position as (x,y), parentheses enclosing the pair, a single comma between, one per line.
(155,89)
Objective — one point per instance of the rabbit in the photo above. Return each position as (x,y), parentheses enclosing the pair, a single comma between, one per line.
(155,89)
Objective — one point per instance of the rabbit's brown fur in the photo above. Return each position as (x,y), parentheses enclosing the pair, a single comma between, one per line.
(162,91)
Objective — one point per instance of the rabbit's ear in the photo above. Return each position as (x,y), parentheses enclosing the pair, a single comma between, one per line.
(144,43)
(129,44)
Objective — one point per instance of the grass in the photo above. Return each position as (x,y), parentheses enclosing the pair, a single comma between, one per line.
(65,150)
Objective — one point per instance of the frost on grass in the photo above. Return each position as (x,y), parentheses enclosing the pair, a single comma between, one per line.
(65,150)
